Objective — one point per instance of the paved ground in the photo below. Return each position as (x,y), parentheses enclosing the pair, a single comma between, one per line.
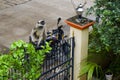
(9,3)
(16,21)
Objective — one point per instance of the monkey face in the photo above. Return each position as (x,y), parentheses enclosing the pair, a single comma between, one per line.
(40,24)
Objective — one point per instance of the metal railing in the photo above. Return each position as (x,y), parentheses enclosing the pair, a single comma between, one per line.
(58,64)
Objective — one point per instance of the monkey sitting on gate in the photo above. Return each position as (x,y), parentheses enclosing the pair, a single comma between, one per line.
(38,33)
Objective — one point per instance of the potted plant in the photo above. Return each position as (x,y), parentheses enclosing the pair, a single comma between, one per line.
(108,75)
(114,68)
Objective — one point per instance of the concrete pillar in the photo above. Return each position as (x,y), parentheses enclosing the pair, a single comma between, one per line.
(81,43)
(80,50)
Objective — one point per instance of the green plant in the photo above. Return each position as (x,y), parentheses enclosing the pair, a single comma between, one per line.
(115,66)
(105,36)
(23,61)
(106,32)
(4,66)
(91,69)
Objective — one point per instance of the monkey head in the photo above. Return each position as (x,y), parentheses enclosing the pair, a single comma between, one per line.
(40,24)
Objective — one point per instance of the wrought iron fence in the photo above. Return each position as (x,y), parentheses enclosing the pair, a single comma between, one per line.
(58,64)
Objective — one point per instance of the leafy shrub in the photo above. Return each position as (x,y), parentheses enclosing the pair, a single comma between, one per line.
(22,62)
(105,37)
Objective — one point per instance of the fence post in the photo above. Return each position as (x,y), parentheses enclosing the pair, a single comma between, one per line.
(81,43)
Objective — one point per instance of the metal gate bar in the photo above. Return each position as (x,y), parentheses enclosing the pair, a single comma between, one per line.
(59,61)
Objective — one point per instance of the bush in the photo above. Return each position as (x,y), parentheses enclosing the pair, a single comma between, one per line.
(105,37)
(22,62)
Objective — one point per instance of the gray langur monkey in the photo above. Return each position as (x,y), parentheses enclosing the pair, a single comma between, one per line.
(38,33)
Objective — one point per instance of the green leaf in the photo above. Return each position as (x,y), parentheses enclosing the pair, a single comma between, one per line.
(13,46)
(90,72)
(85,68)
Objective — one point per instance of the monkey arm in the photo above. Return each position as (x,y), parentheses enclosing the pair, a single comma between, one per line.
(42,36)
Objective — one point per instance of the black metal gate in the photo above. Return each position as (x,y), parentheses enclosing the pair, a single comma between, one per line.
(58,64)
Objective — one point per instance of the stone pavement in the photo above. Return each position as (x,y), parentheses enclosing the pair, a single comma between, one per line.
(9,3)
(16,22)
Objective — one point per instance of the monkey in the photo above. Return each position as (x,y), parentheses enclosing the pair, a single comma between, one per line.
(38,33)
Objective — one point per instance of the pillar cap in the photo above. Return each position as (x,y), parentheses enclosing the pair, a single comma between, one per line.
(73,23)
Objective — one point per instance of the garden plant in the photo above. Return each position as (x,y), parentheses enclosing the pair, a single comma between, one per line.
(105,36)
(23,62)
